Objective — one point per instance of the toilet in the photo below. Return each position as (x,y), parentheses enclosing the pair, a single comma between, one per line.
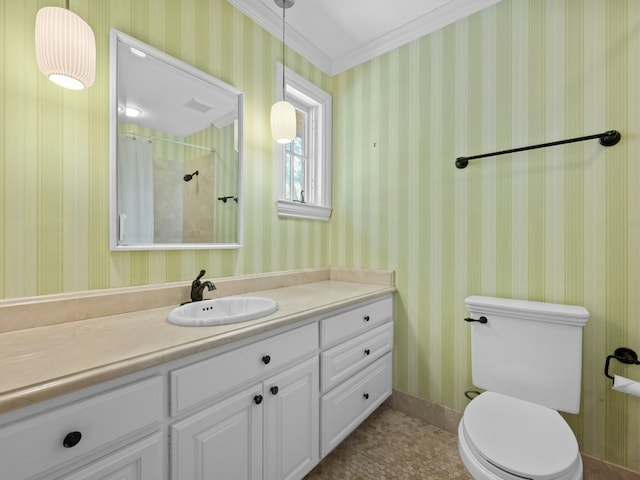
(527,357)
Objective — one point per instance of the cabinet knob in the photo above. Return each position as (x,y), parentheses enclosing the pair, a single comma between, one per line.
(366,396)
(257,399)
(367,351)
(71,439)
(366,318)
(274,390)
(266,359)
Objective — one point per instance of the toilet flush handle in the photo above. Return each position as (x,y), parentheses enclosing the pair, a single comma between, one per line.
(479,320)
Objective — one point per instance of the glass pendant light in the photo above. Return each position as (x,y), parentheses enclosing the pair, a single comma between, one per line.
(65,48)
(283,114)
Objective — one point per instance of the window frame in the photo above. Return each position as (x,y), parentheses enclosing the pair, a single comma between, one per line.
(300,91)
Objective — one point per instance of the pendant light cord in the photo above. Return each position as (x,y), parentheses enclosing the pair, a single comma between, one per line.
(284,63)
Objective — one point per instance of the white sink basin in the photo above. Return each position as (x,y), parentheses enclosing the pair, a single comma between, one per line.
(222,311)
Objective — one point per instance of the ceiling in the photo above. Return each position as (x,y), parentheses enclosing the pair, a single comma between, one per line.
(171,100)
(336,35)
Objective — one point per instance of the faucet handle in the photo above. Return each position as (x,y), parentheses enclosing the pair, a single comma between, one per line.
(197,287)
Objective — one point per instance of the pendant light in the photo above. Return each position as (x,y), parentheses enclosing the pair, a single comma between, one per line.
(283,114)
(65,47)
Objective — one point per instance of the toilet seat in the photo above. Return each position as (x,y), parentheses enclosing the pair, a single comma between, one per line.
(513,438)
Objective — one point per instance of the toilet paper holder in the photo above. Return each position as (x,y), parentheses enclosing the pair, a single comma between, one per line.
(624,355)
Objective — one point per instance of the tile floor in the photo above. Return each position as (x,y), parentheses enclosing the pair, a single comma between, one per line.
(392,445)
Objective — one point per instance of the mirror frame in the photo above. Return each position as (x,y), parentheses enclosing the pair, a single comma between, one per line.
(118,36)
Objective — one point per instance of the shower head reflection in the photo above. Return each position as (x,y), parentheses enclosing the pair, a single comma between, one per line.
(189,176)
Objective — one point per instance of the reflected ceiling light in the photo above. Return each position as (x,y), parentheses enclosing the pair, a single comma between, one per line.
(65,48)
(283,114)
(131,111)
(137,52)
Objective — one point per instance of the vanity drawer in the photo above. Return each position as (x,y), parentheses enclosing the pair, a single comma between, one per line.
(36,444)
(346,406)
(353,322)
(350,357)
(205,380)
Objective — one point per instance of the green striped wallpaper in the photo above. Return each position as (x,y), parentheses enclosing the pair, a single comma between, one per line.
(54,151)
(557,225)
(560,224)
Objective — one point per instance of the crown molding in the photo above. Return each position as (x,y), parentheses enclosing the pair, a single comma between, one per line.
(267,19)
(430,22)
(440,17)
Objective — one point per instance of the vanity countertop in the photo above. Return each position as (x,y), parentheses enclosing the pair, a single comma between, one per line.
(46,361)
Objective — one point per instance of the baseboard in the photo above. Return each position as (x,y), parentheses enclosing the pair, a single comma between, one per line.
(433,413)
(596,469)
(448,419)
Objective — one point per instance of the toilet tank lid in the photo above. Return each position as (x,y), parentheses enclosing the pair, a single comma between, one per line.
(573,315)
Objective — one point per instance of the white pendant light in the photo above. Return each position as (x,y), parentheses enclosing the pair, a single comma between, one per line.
(283,114)
(65,48)
(283,122)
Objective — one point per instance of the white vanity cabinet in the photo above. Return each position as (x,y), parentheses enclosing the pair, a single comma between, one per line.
(264,407)
(356,368)
(266,430)
(95,437)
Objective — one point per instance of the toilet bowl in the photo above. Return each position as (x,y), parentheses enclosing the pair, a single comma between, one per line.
(502,437)
(527,356)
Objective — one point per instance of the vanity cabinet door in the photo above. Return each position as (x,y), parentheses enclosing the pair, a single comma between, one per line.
(291,422)
(222,442)
(140,461)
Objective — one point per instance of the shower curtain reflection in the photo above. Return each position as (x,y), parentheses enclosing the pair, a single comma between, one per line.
(135,190)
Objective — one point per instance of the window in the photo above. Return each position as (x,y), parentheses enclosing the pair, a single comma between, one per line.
(303,167)
(296,157)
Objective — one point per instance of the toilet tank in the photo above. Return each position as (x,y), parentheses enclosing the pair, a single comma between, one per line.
(528,350)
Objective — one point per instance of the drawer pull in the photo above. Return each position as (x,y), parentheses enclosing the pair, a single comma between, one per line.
(367,352)
(274,390)
(257,399)
(366,396)
(367,318)
(71,439)
(266,359)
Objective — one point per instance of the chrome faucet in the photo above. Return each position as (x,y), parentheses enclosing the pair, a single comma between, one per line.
(197,287)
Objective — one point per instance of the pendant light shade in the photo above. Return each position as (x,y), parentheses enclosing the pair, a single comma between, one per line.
(283,114)
(65,48)
(283,122)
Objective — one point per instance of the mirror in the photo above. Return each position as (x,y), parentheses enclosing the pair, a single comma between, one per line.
(176,154)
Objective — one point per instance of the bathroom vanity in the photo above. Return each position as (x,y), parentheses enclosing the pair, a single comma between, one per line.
(145,399)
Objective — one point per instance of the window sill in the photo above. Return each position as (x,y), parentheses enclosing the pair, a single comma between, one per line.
(287,208)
